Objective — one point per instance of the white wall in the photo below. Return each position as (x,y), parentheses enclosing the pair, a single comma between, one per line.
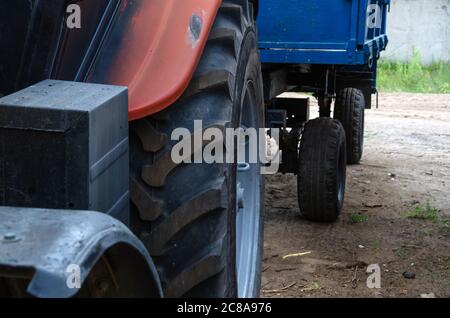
(423,24)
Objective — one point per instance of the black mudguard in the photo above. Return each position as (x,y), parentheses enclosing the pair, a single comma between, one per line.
(39,247)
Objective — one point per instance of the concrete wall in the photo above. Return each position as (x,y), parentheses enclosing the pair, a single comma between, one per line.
(423,24)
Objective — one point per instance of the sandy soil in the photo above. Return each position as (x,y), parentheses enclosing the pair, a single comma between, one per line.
(406,162)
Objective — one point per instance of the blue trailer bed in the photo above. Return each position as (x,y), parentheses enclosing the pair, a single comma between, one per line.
(339,32)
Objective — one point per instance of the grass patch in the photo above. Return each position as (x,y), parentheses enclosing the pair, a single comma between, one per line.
(357,218)
(446,224)
(423,212)
(376,245)
(414,77)
(402,253)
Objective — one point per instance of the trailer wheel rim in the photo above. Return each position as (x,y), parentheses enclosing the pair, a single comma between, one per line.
(248,202)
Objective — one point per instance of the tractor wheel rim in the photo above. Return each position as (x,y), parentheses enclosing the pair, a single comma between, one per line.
(248,198)
(342,164)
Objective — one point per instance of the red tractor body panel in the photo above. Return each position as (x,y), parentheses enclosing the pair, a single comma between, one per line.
(153,48)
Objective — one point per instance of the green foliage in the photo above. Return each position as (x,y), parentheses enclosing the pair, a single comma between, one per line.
(423,212)
(414,77)
(357,218)
(446,224)
(402,252)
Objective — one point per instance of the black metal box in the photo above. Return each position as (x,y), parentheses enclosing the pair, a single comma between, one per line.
(64,145)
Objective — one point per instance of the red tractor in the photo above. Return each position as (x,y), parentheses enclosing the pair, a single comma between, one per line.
(192,229)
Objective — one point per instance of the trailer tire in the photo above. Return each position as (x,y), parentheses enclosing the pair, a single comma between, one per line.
(322,170)
(187,214)
(349,110)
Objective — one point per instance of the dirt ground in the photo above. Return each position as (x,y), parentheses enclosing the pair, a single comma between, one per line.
(406,162)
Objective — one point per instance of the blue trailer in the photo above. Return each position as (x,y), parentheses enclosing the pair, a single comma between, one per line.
(344,32)
(335,41)
(329,48)
(338,41)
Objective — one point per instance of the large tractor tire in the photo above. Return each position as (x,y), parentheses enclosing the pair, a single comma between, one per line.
(203,223)
(322,170)
(349,110)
